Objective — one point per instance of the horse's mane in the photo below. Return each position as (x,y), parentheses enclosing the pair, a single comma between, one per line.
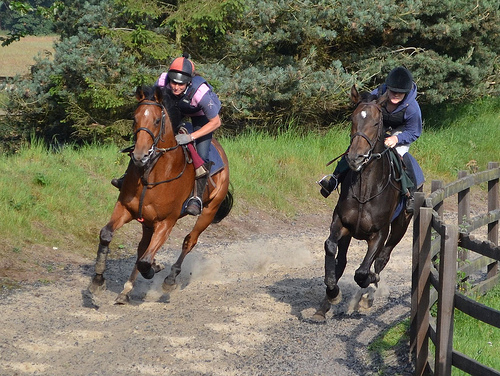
(367,96)
(169,102)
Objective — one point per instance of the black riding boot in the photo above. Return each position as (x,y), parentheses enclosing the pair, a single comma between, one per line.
(410,199)
(195,203)
(118,182)
(330,182)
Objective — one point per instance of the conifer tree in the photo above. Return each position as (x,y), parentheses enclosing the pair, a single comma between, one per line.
(268,60)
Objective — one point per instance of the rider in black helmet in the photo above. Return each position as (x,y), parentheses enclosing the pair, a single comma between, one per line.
(402,117)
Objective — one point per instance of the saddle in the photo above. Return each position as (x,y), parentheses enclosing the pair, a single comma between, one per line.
(411,177)
(411,174)
(213,156)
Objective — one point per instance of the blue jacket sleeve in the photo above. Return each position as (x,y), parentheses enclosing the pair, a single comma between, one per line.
(413,125)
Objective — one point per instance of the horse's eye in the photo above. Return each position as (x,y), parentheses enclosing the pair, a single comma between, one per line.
(157,122)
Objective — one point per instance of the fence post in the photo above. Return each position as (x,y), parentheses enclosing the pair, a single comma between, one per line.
(493,204)
(463,213)
(421,274)
(419,201)
(439,208)
(446,301)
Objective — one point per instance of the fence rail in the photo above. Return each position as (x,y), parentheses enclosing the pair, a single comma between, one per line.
(436,248)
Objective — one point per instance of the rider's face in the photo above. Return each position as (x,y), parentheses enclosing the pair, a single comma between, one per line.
(395,97)
(177,89)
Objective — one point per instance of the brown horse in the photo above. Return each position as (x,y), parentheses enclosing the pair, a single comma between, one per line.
(158,181)
(368,200)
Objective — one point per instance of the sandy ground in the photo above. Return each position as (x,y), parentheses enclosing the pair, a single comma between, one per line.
(243,306)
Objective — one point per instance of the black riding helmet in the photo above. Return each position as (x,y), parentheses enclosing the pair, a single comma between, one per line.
(399,80)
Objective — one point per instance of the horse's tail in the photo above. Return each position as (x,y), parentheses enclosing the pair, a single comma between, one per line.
(225,207)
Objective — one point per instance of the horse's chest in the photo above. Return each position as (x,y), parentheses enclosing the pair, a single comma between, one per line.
(362,223)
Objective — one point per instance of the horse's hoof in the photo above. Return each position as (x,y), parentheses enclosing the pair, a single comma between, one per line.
(149,274)
(318,317)
(157,267)
(336,300)
(366,300)
(122,299)
(169,287)
(95,288)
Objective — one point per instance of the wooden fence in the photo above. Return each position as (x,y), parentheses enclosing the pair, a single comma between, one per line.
(442,259)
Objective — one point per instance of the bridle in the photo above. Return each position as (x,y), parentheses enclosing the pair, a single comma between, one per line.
(154,148)
(370,156)
(372,142)
(155,153)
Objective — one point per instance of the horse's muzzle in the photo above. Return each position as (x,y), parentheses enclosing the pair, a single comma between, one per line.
(358,161)
(140,159)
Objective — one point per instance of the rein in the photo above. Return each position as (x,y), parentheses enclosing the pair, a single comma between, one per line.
(155,154)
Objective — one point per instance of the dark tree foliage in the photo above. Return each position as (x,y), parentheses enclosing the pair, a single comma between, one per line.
(270,61)
(85,92)
(25,18)
(301,57)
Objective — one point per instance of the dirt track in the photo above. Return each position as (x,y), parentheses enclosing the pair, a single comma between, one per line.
(245,297)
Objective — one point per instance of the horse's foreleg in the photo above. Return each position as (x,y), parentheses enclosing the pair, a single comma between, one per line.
(191,239)
(118,219)
(363,275)
(343,245)
(333,294)
(146,259)
(398,230)
(99,282)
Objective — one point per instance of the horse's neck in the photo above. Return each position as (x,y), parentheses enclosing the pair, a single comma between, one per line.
(168,138)
(376,171)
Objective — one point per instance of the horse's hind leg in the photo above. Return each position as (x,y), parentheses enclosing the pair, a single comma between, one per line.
(398,230)
(204,220)
(152,240)
(124,296)
(363,275)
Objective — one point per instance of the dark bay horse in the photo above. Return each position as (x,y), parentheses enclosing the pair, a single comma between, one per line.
(155,187)
(369,196)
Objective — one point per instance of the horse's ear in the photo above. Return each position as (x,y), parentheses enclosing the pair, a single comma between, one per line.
(355,98)
(139,93)
(382,99)
(158,94)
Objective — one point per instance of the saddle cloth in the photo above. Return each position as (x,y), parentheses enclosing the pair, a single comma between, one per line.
(406,182)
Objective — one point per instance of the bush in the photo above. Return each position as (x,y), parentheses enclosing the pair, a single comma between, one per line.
(270,61)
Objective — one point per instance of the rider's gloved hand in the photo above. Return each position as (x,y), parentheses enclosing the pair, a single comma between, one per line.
(183,139)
